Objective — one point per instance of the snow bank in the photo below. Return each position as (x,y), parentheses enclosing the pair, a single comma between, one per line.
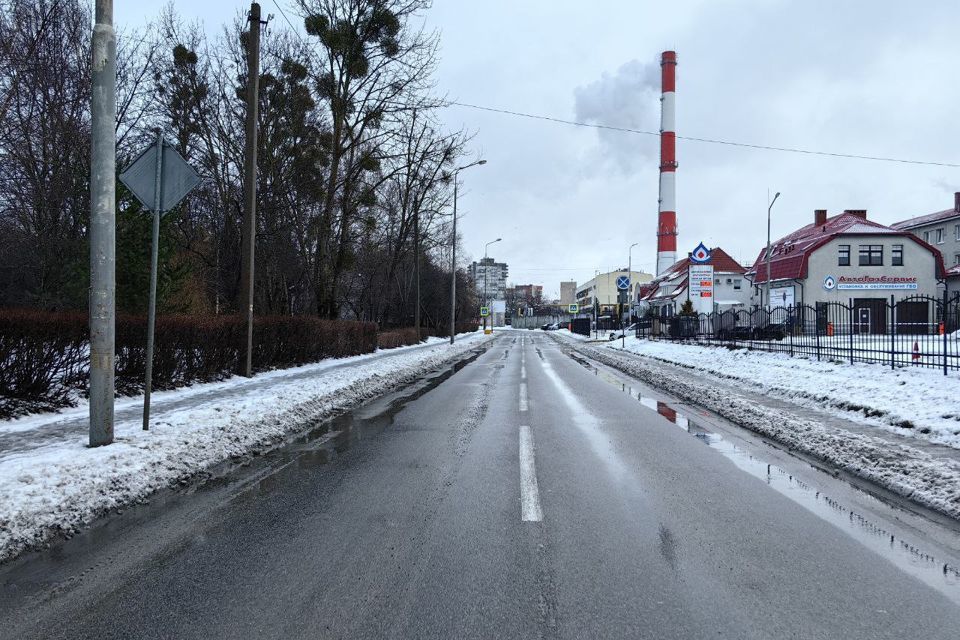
(910,401)
(59,485)
(905,470)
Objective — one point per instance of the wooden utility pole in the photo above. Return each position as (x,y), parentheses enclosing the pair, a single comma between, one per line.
(250,185)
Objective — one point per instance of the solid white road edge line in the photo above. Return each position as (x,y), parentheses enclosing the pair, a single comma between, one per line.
(530,510)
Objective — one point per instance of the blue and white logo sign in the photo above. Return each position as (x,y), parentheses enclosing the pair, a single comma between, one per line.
(700,255)
(623,283)
(829,283)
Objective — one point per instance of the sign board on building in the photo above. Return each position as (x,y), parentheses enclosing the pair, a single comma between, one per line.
(870,283)
(782,297)
(700,279)
(499,306)
(573,308)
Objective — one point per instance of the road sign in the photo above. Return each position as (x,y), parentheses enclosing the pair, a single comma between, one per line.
(177,178)
(484,312)
(160,178)
(623,283)
(573,308)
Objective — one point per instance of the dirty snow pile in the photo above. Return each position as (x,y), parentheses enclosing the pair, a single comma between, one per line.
(910,401)
(51,483)
(905,470)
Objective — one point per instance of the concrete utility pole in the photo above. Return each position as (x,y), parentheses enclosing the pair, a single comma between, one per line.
(103,164)
(250,184)
(453,259)
(767,254)
(416,269)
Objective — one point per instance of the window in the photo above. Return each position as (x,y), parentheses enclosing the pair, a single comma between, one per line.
(939,235)
(717,281)
(926,236)
(736,285)
(871,255)
(956,258)
(896,255)
(956,232)
(843,258)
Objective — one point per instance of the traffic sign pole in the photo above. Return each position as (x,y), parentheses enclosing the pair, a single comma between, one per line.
(154,254)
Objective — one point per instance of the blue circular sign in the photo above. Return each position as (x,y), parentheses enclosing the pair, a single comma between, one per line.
(623,283)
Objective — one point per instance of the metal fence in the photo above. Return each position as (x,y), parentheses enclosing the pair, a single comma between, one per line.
(921,331)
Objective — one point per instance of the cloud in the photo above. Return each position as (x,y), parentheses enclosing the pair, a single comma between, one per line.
(628,98)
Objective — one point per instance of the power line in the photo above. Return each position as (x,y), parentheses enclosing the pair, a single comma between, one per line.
(284,14)
(706,140)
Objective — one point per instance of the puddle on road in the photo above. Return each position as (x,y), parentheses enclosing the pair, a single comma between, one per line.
(943,576)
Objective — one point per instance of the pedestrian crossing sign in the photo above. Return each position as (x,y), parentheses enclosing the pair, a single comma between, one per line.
(573,308)
(484,312)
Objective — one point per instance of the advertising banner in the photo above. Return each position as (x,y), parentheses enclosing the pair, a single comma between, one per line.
(700,279)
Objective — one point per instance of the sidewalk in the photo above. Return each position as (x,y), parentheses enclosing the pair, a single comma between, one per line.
(51,482)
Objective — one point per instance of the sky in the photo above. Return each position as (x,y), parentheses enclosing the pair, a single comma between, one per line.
(863,77)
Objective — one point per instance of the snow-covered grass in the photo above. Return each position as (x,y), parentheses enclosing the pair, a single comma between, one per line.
(912,401)
(54,485)
(916,474)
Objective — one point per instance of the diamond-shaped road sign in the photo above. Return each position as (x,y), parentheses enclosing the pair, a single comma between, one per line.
(177,177)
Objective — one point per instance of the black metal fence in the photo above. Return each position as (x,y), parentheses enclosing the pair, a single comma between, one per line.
(921,331)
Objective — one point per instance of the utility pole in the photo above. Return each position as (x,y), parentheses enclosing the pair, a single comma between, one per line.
(250,184)
(453,267)
(103,165)
(416,269)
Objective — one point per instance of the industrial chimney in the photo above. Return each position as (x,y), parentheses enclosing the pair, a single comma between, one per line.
(667,217)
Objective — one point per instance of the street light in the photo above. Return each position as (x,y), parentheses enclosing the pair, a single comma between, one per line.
(769,208)
(486,268)
(453,258)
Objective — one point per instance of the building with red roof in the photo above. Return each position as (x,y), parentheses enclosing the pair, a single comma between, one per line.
(847,258)
(942,230)
(667,292)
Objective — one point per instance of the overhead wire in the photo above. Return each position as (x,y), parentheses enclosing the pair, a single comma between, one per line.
(732,143)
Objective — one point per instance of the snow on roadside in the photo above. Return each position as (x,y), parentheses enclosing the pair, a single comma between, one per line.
(57,488)
(910,401)
(907,471)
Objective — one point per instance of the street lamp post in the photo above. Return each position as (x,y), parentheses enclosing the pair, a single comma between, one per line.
(486,269)
(769,208)
(453,244)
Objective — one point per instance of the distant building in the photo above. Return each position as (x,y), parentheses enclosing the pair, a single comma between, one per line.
(942,230)
(490,278)
(731,289)
(568,292)
(524,296)
(603,288)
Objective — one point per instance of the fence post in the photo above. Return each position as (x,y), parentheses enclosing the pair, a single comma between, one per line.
(893,331)
(850,330)
(816,324)
(943,319)
(792,324)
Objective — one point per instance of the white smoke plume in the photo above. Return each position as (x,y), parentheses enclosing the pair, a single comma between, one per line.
(628,98)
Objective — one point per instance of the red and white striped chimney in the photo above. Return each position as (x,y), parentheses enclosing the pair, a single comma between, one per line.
(667,218)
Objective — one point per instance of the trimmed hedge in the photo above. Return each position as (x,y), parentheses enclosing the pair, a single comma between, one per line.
(44,355)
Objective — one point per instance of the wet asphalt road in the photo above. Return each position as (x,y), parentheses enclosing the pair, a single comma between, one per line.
(524,496)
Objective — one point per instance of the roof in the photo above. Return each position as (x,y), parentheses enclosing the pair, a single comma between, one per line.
(720,259)
(930,218)
(789,255)
(954,271)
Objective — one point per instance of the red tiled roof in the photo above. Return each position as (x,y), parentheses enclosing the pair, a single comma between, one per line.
(930,218)
(953,271)
(789,255)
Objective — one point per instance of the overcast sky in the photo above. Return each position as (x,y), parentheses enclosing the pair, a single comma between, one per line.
(869,77)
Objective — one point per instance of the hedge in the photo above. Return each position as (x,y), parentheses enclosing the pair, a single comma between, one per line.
(44,355)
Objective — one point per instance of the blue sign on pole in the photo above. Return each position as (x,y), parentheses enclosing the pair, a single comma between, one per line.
(623,283)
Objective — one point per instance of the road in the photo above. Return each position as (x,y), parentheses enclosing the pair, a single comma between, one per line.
(527,494)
